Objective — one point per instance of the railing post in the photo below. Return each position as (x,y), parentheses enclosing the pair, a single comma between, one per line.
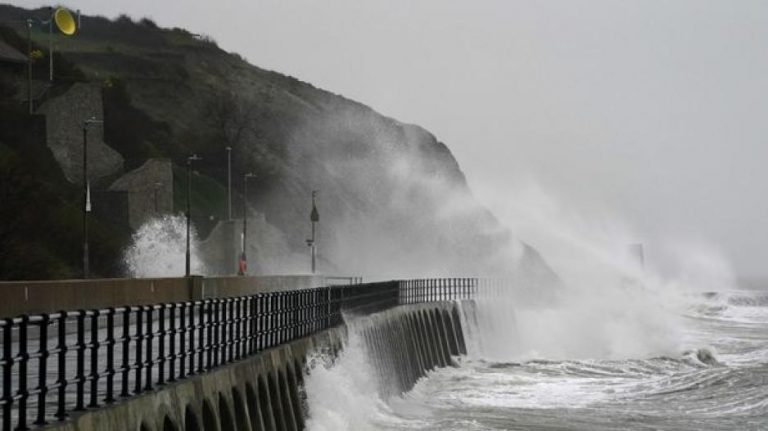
(149,336)
(217,329)
(137,388)
(301,301)
(23,359)
(253,316)
(209,334)
(238,328)
(192,369)
(295,307)
(42,369)
(94,347)
(110,398)
(261,323)
(305,314)
(125,366)
(277,314)
(80,349)
(200,336)
(182,338)
(161,345)
(172,343)
(7,373)
(223,330)
(283,307)
(269,337)
(230,330)
(274,314)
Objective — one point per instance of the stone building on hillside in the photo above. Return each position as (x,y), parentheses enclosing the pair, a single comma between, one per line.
(64,116)
(149,189)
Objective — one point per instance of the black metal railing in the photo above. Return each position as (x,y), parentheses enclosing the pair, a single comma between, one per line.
(438,289)
(59,363)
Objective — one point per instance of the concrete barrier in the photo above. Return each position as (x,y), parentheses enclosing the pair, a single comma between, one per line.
(264,392)
(32,297)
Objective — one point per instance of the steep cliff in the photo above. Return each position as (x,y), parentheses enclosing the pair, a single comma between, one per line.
(392,199)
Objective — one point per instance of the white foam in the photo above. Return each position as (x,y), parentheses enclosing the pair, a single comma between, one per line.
(343,394)
(159,248)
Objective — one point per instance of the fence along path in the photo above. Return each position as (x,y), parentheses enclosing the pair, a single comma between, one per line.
(70,361)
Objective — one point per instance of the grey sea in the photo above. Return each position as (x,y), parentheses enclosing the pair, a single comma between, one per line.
(716,380)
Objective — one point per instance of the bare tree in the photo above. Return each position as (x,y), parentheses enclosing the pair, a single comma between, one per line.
(231,118)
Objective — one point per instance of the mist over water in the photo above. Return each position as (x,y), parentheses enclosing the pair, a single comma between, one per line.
(159,248)
(616,346)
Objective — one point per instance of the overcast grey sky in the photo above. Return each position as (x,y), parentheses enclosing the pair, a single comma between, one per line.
(656,110)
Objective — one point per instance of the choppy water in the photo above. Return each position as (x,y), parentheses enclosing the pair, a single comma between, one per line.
(547,391)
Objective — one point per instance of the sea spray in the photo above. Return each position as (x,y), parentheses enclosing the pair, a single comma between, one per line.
(611,321)
(158,249)
(343,392)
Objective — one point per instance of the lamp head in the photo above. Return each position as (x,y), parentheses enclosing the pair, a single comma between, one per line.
(64,21)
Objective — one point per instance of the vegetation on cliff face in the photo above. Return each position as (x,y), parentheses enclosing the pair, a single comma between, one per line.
(393,199)
(40,212)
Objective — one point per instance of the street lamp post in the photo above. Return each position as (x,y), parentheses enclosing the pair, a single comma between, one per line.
(65,23)
(86,195)
(50,46)
(229,183)
(156,188)
(190,159)
(29,65)
(242,268)
(314,218)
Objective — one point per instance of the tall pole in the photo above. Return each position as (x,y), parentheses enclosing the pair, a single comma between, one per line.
(29,63)
(86,195)
(243,264)
(229,183)
(314,217)
(86,203)
(190,159)
(50,48)
(189,190)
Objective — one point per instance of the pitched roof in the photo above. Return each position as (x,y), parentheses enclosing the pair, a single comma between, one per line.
(9,54)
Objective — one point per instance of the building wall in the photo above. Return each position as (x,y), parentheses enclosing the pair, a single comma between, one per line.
(64,122)
(149,189)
